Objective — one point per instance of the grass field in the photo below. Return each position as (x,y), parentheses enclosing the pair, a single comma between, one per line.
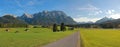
(35,37)
(100,37)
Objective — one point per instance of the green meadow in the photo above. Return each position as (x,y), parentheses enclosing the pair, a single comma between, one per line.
(35,37)
(100,37)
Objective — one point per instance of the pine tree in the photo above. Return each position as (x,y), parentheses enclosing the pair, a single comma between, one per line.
(54,27)
(62,28)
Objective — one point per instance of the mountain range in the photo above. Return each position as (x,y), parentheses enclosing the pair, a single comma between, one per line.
(89,22)
(108,23)
(47,18)
(108,20)
(11,21)
(113,21)
(103,20)
(40,18)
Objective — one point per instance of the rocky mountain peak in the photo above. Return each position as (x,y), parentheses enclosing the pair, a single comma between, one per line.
(27,15)
(104,20)
(48,18)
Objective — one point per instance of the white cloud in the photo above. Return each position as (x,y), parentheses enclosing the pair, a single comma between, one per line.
(110,12)
(93,10)
(115,16)
(89,7)
(95,13)
(85,19)
(28,3)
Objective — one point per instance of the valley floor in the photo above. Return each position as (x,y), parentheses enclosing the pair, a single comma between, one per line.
(34,37)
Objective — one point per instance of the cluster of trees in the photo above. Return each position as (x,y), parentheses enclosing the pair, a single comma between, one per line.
(80,25)
(109,25)
(101,25)
(13,25)
(62,27)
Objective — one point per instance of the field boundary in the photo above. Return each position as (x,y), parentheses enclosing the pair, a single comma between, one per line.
(81,41)
(78,45)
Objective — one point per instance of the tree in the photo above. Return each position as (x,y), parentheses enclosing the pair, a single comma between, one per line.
(107,25)
(62,28)
(54,27)
(27,26)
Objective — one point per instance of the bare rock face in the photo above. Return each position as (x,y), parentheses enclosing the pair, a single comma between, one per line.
(26,15)
(47,18)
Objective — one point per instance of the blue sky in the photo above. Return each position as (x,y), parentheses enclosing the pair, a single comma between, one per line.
(79,10)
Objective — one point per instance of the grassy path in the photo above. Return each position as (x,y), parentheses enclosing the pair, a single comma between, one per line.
(69,41)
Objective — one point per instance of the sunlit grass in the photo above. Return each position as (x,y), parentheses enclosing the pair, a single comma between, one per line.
(35,37)
(100,37)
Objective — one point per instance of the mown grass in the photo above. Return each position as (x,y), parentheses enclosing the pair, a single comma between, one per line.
(100,37)
(35,37)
